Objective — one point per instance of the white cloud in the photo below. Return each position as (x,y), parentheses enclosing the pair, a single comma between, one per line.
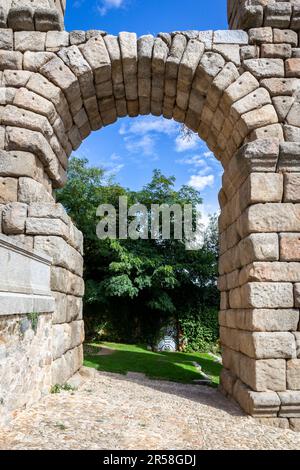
(195,160)
(182,143)
(106,5)
(145,145)
(201,182)
(143,126)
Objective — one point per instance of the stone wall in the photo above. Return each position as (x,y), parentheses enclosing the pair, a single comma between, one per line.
(26,307)
(239,90)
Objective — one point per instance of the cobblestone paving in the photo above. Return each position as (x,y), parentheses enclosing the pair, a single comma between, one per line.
(110,411)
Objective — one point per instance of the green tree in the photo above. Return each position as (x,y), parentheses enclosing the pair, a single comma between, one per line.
(134,286)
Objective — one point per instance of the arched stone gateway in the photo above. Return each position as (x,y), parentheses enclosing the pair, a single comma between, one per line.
(240,91)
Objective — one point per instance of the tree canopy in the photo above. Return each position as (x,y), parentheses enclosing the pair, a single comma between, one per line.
(133,286)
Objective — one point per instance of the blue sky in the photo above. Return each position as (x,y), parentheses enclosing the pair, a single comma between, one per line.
(132,148)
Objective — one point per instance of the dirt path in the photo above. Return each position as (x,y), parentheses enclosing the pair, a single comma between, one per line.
(110,411)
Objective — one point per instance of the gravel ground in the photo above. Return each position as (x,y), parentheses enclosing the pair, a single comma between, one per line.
(110,411)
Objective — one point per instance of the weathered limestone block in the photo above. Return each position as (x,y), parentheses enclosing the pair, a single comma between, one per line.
(276,51)
(262,295)
(261,319)
(260,117)
(34,142)
(6,39)
(19,164)
(48,210)
(289,157)
(73,58)
(66,282)
(113,48)
(285,36)
(294,424)
(128,46)
(297,339)
(33,61)
(8,190)
(13,78)
(259,247)
(76,37)
(252,101)
(30,41)
(209,67)
(11,60)
(46,19)
(249,52)
(40,226)
(293,117)
(261,187)
(59,74)
(265,68)
(263,375)
(13,218)
(258,404)
(222,81)
(268,345)
(55,40)
(297,295)
(292,187)
(13,116)
(35,103)
(273,131)
(96,54)
(244,85)
(270,272)
(282,105)
(63,255)
(261,35)
(64,367)
(74,308)
(60,312)
(290,404)
(30,191)
(75,238)
(270,217)
(230,37)
(278,14)
(281,87)
(293,374)
(292,67)
(289,246)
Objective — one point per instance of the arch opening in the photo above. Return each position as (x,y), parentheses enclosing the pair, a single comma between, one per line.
(242,99)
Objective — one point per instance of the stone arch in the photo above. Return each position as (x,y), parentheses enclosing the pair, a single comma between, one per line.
(239,90)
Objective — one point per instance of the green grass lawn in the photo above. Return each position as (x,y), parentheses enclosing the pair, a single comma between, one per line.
(177,367)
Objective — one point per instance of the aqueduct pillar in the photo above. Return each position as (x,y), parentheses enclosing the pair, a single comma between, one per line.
(239,90)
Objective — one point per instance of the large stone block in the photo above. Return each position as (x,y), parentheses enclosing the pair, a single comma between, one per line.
(293,374)
(270,272)
(40,226)
(13,218)
(262,295)
(261,319)
(258,404)
(268,345)
(8,190)
(263,375)
(259,247)
(31,191)
(290,404)
(292,187)
(289,246)
(63,255)
(273,217)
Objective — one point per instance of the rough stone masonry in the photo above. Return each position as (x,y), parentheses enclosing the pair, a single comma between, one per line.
(240,91)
